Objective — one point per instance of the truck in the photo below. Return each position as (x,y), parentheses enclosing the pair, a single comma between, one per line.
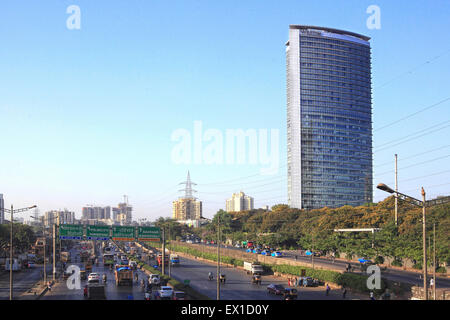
(123,275)
(84,255)
(108,259)
(96,291)
(88,267)
(16,265)
(174,260)
(253,267)
(159,259)
(65,256)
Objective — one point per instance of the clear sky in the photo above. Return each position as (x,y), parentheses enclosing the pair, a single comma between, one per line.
(87,115)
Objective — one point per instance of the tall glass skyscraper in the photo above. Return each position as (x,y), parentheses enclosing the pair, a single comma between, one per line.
(329,118)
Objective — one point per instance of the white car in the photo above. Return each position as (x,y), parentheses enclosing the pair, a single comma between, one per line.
(165,292)
(154,279)
(94,278)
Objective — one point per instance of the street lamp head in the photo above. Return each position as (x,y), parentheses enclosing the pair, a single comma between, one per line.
(384,187)
(32,207)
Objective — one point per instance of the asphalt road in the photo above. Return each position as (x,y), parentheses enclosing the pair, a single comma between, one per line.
(238,286)
(413,278)
(60,291)
(22,281)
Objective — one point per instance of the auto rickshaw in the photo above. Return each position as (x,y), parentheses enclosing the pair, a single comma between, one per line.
(256,279)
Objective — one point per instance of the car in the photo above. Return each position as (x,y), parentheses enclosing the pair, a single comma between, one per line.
(306,282)
(265,253)
(165,292)
(93,278)
(179,295)
(257,251)
(237,245)
(290,293)
(154,279)
(277,289)
(276,254)
(365,261)
(249,250)
(30,264)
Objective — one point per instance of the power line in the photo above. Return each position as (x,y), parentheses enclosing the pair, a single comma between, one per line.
(415,155)
(416,164)
(412,70)
(413,114)
(427,133)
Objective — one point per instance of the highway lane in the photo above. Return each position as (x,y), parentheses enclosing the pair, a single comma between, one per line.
(22,281)
(404,276)
(238,286)
(60,291)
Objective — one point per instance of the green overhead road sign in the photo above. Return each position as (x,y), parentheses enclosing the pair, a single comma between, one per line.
(121,233)
(148,234)
(97,232)
(71,231)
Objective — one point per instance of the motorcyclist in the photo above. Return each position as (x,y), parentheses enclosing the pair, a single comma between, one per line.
(210,276)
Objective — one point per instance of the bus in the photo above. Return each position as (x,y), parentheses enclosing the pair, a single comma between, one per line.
(108,259)
(65,256)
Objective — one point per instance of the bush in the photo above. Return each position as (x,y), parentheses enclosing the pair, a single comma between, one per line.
(441,270)
(379,260)
(397,263)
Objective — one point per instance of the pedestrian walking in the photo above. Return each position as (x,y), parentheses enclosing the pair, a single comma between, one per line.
(296,282)
(295,257)
(327,290)
(344,292)
(289,282)
(372,296)
(431,283)
(49,286)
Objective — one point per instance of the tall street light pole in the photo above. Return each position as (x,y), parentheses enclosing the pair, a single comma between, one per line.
(45,244)
(12,211)
(424,231)
(218,257)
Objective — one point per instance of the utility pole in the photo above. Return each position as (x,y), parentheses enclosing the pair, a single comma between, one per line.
(218,257)
(425,284)
(11,247)
(434,261)
(169,252)
(11,257)
(396,195)
(54,251)
(163,250)
(312,251)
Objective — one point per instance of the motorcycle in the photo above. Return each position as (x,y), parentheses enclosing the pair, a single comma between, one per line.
(210,276)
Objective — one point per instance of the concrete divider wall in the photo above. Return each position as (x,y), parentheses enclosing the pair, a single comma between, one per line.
(236,254)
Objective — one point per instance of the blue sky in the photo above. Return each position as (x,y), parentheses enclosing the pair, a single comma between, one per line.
(87,115)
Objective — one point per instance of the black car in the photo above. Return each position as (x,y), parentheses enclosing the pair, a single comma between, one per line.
(277,289)
(290,293)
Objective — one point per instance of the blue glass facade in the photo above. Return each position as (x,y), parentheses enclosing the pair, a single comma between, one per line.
(333,84)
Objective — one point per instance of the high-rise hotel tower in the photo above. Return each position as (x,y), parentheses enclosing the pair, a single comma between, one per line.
(329,118)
